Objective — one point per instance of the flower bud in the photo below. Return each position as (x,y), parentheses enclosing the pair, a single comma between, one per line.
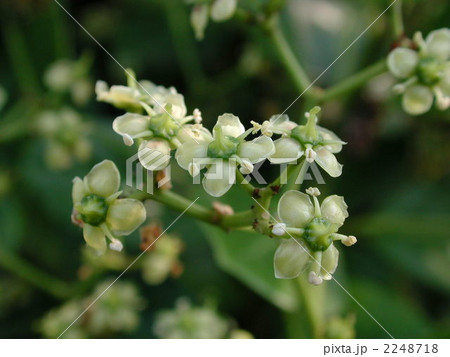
(222,10)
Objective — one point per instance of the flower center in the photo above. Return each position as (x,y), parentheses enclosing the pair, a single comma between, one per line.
(308,134)
(318,234)
(163,126)
(429,71)
(93,209)
(223,146)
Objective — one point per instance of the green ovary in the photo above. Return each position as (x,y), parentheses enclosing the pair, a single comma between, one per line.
(223,147)
(318,234)
(93,209)
(429,71)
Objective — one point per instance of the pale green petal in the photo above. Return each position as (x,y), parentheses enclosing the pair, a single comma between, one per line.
(445,82)
(295,209)
(230,125)
(103,179)
(438,44)
(327,161)
(189,151)
(78,191)
(291,259)
(417,99)
(330,259)
(154,155)
(222,10)
(194,132)
(334,209)
(130,124)
(219,178)
(402,62)
(286,150)
(125,215)
(328,135)
(256,150)
(281,123)
(94,237)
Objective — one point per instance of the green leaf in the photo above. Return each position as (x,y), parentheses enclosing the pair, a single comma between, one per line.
(12,224)
(249,257)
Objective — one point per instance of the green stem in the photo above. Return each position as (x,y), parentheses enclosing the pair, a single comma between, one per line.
(179,203)
(247,186)
(313,303)
(288,58)
(397,20)
(45,282)
(355,81)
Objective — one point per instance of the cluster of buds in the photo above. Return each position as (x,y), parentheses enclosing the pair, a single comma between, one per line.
(425,72)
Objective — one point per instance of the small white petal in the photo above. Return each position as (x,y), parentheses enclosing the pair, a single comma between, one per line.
(95,238)
(193,169)
(154,155)
(279,229)
(230,125)
(327,161)
(194,132)
(246,167)
(222,10)
(219,177)
(334,209)
(295,209)
(417,100)
(130,124)
(330,259)
(125,215)
(78,191)
(310,155)
(402,62)
(127,140)
(437,44)
(291,259)
(286,150)
(328,135)
(189,151)
(103,179)
(256,150)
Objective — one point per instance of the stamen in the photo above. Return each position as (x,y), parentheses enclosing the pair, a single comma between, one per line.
(246,167)
(313,191)
(279,229)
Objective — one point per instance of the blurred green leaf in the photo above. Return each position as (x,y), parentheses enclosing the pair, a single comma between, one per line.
(249,258)
(392,309)
(12,224)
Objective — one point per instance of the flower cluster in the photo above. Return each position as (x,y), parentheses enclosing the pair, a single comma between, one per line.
(217,10)
(425,71)
(66,137)
(310,230)
(116,312)
(187,321)
(100,212)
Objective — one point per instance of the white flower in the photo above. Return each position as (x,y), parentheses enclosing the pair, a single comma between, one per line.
(311,230)
(221,152)
(427,72)
(316,143)
(100,211)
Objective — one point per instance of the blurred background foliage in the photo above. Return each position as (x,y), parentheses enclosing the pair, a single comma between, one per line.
(395,181)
